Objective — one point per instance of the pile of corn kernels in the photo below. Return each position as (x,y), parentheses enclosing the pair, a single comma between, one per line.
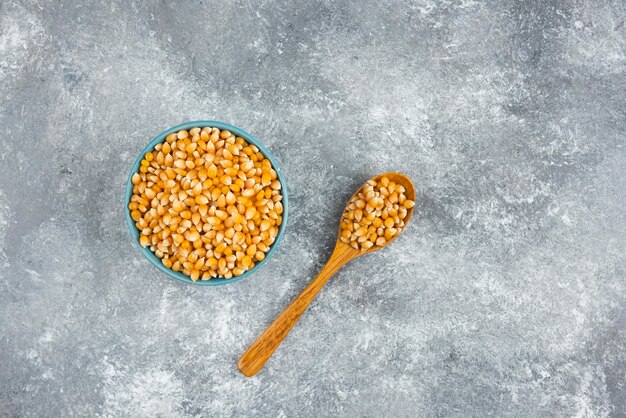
(375,215)
(207,203)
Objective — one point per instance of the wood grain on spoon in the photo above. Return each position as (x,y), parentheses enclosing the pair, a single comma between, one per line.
(261,350)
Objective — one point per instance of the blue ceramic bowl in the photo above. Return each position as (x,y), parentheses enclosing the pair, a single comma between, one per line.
(134,232)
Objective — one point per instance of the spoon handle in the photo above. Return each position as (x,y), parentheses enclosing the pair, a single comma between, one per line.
(255,357)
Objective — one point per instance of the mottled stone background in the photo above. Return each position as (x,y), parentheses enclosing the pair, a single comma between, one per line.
(504,297)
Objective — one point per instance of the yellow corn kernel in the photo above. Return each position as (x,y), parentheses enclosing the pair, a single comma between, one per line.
(135,215)
(278,208)
(360,232)
(193,236)
(211,262)
(389,233)
(178,206)
(246,261)
(201,200)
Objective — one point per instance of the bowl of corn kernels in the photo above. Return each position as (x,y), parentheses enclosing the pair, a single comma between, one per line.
(206,203)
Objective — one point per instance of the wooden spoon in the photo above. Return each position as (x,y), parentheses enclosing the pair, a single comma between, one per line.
(253,360)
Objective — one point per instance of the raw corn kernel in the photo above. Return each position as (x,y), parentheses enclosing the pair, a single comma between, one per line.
(375,215)
(207,203)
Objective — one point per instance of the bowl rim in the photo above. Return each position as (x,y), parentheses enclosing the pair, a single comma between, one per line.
(134,232)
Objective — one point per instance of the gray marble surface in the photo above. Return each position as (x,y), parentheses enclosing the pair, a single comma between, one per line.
(504,297)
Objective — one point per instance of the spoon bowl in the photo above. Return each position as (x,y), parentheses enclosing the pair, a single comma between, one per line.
(397,178)
(260,351)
